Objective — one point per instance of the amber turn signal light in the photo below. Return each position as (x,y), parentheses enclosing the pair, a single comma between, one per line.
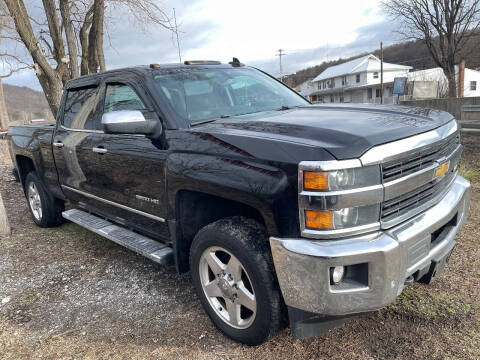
(320,220)
(315,180)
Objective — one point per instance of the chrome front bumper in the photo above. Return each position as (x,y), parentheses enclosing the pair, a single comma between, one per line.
(387,257)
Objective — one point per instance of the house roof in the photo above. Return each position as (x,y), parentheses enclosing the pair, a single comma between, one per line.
(433,74)
(365,63)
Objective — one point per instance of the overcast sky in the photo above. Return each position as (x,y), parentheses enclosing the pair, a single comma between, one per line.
(310,31)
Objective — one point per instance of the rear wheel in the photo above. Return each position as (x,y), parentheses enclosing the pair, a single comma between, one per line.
(232,271)
(46,211)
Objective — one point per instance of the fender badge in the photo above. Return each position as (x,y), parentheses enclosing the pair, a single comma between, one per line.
(147,199)
(442,169)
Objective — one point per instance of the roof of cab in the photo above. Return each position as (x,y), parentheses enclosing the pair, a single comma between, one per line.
(93,79)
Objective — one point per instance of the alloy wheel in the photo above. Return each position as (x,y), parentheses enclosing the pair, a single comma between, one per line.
(227,287)
(35,201)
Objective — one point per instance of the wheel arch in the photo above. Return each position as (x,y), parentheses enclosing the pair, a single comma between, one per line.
(213,207)
(24,165)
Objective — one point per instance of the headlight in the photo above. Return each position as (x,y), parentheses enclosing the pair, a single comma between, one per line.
(338,198)
(343,179)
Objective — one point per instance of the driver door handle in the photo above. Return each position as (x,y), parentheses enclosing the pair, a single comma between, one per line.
(99,150)
(58,144)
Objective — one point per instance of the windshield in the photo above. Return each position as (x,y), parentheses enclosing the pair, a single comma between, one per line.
(202,94)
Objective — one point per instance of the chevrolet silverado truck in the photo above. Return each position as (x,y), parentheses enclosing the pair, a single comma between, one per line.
(283,211)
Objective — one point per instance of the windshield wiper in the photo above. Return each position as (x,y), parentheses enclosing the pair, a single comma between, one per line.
(204,121)
(284,107)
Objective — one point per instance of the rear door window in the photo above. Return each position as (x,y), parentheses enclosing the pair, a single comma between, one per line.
(79,110)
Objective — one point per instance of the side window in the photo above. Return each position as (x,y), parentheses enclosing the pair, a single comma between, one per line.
(79,108)
(122,97)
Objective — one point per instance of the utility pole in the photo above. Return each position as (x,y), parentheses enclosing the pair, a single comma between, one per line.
(176,33)
(281,53)
(381,72)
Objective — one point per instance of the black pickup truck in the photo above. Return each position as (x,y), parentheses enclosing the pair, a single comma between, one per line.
(283,211)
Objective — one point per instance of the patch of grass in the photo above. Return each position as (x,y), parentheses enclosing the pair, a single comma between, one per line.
(67,228)
(32,296)
(414,300)
(470,174)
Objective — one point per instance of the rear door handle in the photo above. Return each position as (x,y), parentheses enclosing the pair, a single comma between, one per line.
(99,150)
(58,144)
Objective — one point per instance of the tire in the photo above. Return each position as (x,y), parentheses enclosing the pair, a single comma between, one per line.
(254,282)
(46,211)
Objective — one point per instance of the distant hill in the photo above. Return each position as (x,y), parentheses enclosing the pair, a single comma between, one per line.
(24,102)
(412,53)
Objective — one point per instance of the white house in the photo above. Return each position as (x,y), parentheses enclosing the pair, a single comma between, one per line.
(437,78)
(305,88)
(357,81)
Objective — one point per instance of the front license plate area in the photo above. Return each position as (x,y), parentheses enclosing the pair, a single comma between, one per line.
(436,268)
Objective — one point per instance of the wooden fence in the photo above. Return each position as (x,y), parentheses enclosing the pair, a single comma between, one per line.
(461,108)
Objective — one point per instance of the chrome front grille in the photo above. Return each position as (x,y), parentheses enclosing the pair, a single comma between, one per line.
(409,202)
(420,160)
(412,183)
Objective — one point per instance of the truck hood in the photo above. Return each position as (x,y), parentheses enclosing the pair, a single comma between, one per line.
(345,131)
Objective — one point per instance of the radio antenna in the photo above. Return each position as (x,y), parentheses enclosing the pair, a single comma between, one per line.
(176,33)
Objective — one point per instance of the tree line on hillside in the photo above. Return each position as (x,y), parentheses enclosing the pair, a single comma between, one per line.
(410,53)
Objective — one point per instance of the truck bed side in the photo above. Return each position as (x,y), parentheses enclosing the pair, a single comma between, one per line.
(31,149)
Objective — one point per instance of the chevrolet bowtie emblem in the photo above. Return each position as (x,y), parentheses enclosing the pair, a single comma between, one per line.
(442,169)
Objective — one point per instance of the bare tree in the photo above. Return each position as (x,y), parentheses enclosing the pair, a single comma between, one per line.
(63,39)
(445,26)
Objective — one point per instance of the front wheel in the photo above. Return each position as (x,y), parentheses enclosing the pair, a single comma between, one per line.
(233,275)
(46,211)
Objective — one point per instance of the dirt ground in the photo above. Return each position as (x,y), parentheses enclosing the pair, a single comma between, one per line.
(66,293)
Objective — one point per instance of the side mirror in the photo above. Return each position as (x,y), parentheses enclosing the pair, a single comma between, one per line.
(129,122)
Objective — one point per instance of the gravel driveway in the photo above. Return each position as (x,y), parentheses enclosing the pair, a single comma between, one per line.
(68,293)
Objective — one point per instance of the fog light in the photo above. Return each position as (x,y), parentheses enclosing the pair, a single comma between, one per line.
(337,274)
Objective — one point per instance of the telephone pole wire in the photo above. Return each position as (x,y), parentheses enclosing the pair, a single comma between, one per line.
(281,53)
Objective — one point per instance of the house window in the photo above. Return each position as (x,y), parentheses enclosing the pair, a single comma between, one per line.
(375,75)
(319,85)
(344,80)
(377,93)
(473,85)
(369,93)
(357,78)
(333,83)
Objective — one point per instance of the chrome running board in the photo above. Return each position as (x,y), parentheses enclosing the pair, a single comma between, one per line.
(154,250)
